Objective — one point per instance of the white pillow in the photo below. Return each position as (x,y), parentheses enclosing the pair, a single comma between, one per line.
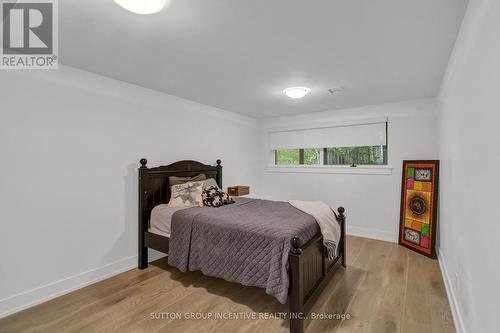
(186,195)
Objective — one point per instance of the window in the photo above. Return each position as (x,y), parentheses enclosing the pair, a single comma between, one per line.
(297,156)
(360,144)
(287,157)
(365,155)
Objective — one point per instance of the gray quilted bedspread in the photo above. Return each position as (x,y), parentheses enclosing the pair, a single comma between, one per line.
(246,242)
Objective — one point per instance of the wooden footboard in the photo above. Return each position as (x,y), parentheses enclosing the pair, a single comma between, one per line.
(310,272)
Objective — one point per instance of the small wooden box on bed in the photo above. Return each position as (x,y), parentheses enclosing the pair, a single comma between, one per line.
(310,270)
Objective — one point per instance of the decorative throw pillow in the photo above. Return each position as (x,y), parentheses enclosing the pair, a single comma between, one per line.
(186,195)
(173,180)
(209,183)
(214,197)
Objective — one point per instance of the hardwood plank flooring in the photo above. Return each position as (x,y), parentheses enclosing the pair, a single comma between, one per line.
(386,288)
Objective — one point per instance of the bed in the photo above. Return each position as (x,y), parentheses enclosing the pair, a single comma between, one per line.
(294,267)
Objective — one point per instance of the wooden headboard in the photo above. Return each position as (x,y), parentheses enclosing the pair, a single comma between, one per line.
(154,187)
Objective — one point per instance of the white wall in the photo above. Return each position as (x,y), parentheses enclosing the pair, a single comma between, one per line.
(70,142)
(469,116)
(371,201)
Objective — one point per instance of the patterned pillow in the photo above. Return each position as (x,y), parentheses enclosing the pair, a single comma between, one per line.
(214,197)
(186,195)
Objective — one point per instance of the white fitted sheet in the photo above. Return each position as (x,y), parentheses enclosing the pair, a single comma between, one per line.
(161,219)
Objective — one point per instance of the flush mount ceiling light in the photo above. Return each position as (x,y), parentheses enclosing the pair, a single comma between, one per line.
(296,92)
(143,7)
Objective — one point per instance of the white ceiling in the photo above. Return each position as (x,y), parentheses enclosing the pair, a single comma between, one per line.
(239,55)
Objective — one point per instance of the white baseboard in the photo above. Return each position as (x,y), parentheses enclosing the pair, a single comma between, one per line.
(452,299)
(372,233)
(29,298)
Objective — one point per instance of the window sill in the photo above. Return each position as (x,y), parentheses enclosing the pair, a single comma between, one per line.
(322,169)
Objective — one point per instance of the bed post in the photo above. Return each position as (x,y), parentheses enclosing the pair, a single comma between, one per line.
(297,286)
(219,173)
(341,219)
(143,250)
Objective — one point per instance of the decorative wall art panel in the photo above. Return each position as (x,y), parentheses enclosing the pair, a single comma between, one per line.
(419,206)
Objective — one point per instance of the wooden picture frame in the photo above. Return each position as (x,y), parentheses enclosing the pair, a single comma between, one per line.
(419,204)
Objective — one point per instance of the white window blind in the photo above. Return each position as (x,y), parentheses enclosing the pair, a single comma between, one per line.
(366,134)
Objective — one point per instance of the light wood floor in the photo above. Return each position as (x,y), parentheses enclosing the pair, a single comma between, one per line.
(386,288)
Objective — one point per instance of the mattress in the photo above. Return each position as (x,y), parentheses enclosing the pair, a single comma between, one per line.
(161,219)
